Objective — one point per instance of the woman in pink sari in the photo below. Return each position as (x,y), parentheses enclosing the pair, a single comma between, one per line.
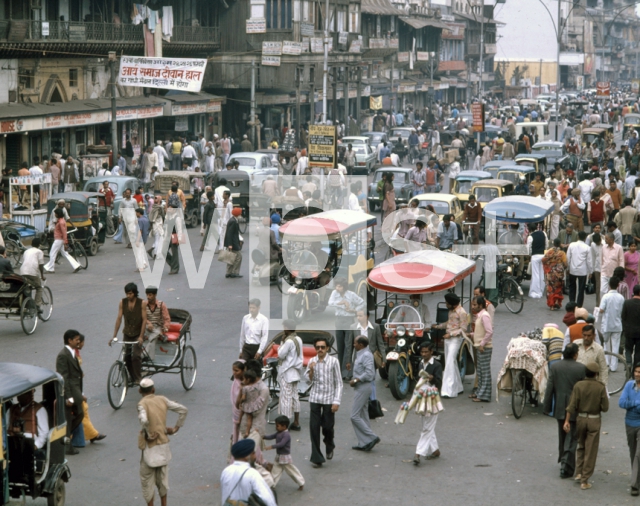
(631,261)
(238,375)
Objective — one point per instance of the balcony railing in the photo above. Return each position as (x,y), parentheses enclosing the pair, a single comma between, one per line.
(25,31)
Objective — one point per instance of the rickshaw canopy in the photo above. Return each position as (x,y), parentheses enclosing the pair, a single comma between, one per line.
(632,119)
(78,203)
(473,175)
(16,379)
(418,272)
(519,209)
(164,179)
(326,224)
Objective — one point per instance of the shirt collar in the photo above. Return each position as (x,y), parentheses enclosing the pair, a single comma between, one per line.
(73,352)
(369,326)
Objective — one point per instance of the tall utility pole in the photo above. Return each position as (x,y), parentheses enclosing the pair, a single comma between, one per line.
(114,110)
(253,103)
(559,35)
(540,78)
(325,74)
(481,65)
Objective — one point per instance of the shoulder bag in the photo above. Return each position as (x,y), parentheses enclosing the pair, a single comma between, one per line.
(235,503)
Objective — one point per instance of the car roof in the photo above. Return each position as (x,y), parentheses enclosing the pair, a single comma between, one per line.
(548,144)
(491,182)
(476,174)
(363,138)
(180,174)
(493,164)
(246,154)
(442,197)
(392,168)
(536,156)
(517,168)
(16,379)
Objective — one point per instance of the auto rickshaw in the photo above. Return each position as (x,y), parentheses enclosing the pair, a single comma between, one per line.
(487,190)
(596,134)
(631,123)
(513,173)
(25,470)
(493,166)
(463,182)
(88,214)
(317,249)
(185,183)
(406,319)
(536,160)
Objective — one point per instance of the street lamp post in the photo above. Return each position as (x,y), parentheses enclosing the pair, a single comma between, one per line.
(559,35)
(114,121)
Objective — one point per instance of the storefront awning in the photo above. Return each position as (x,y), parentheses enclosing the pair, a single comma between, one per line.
(20,118)
(478,19)
(379,7)
(184,104)
(419,23)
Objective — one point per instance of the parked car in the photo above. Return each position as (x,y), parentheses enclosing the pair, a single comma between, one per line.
(375,138)
(402,132)
(257,165)
(118,185)
(365,154)
(552,151)
(401,184)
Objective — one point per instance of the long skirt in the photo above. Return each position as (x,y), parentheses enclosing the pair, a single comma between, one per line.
(484,374)
(537,277)
(555,227)
(428,442)
(451,381)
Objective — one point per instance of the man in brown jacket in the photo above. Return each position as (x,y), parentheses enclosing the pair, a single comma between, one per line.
(154,440)
(588,400)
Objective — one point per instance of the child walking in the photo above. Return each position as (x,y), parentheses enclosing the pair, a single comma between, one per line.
(283,453)
(249,399)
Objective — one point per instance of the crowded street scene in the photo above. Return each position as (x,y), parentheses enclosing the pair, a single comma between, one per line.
(396,253)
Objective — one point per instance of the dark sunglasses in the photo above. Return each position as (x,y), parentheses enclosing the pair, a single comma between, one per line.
(321,347)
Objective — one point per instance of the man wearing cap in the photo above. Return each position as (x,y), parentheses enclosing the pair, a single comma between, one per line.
(521,188)
(588,400)
(246,144)
(232,243)
(573,208)
(574,330)
(239,480)
(60,204)
(154,442)
(563,376)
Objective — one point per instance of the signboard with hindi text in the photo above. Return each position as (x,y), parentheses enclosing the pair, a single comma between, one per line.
(603,89)
(184,74)
(322,146)
(477,110)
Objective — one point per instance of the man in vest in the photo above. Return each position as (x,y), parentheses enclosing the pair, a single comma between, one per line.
(29,419)
(157,322)
(154,442)
(135,322)
(574,331)
(596,210)
(431,177)
(573,208)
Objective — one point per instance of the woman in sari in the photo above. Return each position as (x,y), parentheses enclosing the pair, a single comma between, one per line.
(238,368)
(555,264)
(631,260)
(555,216)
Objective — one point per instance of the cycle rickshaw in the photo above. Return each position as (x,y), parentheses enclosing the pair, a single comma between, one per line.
(17,302)
(24,470)
(172,355)
(403,279)
(270,364)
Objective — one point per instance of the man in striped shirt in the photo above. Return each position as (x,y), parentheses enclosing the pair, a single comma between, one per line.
(324,374)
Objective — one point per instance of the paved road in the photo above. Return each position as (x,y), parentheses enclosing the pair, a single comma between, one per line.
(487,456)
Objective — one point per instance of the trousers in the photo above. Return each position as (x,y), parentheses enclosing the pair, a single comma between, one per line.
(133,358)
(152,477)
(483,365)
(36,281)
(234,268)
(612,344)
(343,323)
(588,436)
(360,414)
(74,415)
(633,433)
(428,442)
(567,444)
(321,419)
(632,347)
(172,258)
(290,469)
(451,380)
(58,247)
(581,282)
(289,402)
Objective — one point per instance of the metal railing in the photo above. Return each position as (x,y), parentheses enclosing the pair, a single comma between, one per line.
(71,31)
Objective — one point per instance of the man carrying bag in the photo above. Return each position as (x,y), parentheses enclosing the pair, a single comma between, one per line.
(240,483)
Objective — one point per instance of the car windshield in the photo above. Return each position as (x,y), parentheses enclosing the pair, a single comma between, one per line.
(491,170)
(359,149)
(509,176)
(374,138)
(526,163)
(246,162)
(95,186)
(633,120)
(395,133)
(439,206)
(486,194)
(464,186)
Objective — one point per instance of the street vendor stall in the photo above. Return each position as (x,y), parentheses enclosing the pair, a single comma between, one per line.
(28,197)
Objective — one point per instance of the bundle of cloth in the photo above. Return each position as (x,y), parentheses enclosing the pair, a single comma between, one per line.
(425,400)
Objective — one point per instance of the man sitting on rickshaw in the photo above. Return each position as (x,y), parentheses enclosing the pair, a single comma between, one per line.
(158,320)
(29,419)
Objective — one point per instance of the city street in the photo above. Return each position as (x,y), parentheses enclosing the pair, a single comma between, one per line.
(488,457)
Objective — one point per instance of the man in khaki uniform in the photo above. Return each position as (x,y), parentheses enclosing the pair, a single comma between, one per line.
(154,442)
(588,400)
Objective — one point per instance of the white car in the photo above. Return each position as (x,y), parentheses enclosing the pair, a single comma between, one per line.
(257,165)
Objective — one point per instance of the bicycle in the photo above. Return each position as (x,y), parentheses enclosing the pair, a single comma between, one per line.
(511,294)
(471,232)
(76,250)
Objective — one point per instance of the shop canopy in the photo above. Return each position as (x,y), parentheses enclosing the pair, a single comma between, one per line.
(519,209)
(327,224)
(424,271)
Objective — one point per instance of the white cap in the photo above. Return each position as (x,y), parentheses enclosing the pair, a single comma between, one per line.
(146,383)
(244,136)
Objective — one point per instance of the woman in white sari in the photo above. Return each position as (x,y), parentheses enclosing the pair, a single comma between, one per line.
(224,208)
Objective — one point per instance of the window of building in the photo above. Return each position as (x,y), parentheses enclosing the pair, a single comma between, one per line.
(354,18)
(341,18)
(26,78)
(73,78)
(279,14)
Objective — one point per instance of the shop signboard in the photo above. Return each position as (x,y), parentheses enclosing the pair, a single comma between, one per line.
(256,25)
(477,110)
(271,48)
(603,89)
(184,74)
(270,61)
(292,48)
(322,146)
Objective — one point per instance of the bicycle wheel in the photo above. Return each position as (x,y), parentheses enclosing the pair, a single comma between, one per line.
(518,392)
(117,381)
(617,380)
(28,315)
(188,367)
(512,295)
(13,251)
(80,255)
(47,304)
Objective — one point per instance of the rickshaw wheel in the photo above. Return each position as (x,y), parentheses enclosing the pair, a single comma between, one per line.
(117,381)
(58,495)
(188,367)
(518,392)
(513,299)
(93,247)
(362,290)
(13,252)
(47,304)
(111,232)
(80,255)
(399,379)
(243,221)
(28,315)
(296,307)
(462,364)
(281,274)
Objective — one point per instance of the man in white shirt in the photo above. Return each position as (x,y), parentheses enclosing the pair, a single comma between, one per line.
(586,187)
(32,268)
(188,153)
(239,480)
(580,267)
(354,204)
(162,155)
(21,421)
(611,321)
(254,332)
(35,170)
(290,373)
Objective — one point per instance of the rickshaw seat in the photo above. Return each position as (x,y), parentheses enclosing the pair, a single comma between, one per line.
(308,352)
(174,332)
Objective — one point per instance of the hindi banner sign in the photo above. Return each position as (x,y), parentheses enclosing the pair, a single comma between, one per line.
(603,89)
(271,48)
(477,110)
(292,48)
(270,61)
(322,146)
(166,73)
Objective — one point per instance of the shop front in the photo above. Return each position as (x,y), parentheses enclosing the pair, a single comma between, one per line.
(190,114)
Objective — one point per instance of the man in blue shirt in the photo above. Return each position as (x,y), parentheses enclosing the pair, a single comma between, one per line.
(399,119)
(630,400)
(521,188)
(144,225)
(447,233)
(384,151)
